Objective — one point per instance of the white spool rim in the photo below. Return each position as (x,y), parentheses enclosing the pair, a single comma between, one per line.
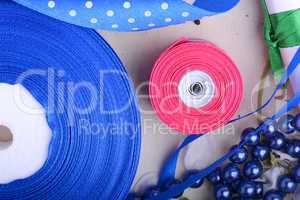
(31,135)
(196,89)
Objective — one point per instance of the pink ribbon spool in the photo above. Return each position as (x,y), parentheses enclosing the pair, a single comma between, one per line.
(195,87)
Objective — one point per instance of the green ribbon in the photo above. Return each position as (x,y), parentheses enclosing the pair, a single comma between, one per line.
(281,30)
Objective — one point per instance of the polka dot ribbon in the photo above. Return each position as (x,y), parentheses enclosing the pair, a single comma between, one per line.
(130,15)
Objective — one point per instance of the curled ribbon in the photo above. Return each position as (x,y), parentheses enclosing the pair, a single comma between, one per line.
(169,169)
(215,77)
(95,123)
(128,15)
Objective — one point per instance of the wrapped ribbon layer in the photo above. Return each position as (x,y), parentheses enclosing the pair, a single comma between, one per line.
(195,87)
(95,123)
(128,15)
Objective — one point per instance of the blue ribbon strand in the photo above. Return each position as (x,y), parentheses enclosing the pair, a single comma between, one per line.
(169,169)
(128,15)
(53,58)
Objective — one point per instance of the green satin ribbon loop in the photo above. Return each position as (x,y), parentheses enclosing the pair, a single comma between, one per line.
(281,30)
(287,28)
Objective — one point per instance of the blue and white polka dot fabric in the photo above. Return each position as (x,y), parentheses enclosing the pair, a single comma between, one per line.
(128,15)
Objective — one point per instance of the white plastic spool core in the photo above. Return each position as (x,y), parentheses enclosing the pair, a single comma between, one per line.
(196,89)
(24,134)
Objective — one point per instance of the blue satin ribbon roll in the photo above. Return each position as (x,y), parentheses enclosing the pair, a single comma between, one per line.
(67,68)
(128,15)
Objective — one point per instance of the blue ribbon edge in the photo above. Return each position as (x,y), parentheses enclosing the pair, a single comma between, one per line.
(169,169)
(199,8)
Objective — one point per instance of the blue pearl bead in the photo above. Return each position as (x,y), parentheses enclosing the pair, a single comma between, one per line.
(269,130)
(286,184)
(296,173)
(250,136)
(231,173)
(247,189)
(285,124)
(293,148)
(277,142)
(261,152)
(273,195)
(241,155)
(253,169)
(133,196)
(215,177)
(296,122)
(222,192)
(259,190)
(171,183)
(152,192)
(198,183)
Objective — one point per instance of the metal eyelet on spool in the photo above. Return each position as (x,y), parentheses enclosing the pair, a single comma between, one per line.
(196,89)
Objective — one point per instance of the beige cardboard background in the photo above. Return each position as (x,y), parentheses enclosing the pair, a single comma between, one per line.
(239,33)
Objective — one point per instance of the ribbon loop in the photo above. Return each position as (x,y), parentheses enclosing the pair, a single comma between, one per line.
(168,171)
(280,31)
(286,28)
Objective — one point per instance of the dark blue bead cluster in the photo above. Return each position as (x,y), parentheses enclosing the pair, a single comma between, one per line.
(238,178)
(249,157)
